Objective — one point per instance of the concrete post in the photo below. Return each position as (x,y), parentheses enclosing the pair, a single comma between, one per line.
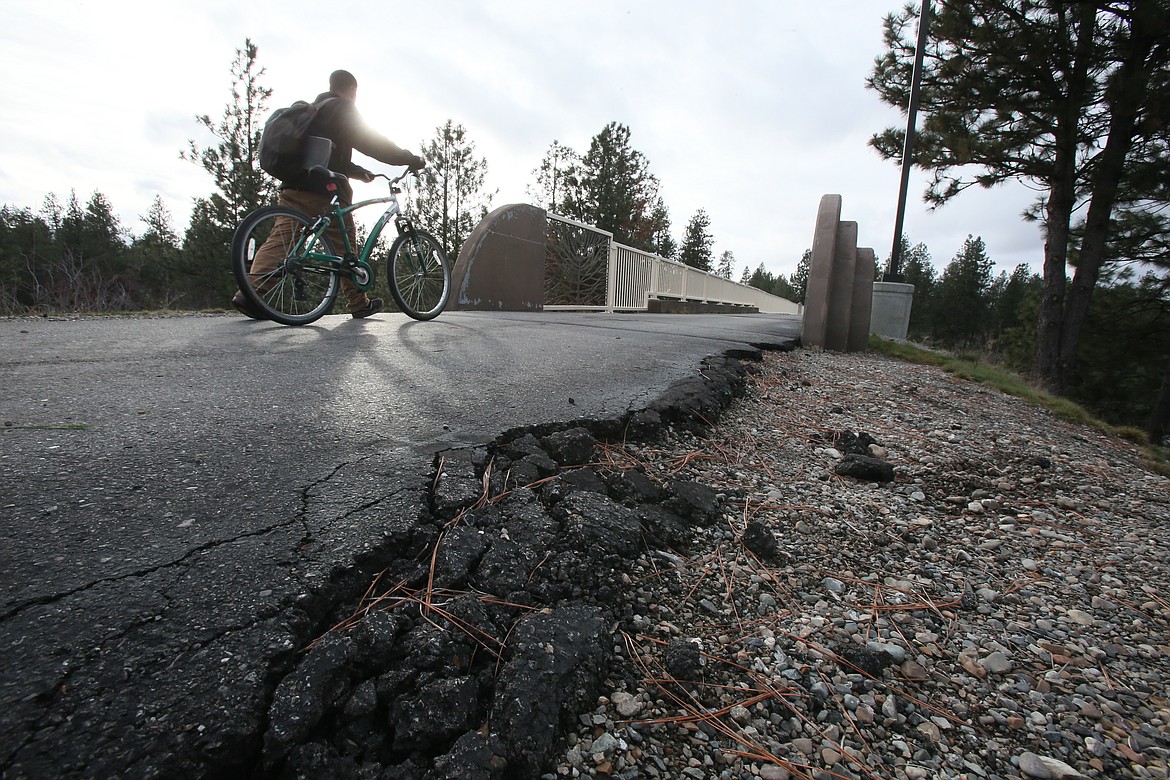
(820,273)
(862,300)
(841,288)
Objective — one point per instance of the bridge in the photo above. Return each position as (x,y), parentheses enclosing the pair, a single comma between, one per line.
(522,258)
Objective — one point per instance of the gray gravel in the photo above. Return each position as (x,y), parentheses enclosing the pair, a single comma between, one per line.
(999,610)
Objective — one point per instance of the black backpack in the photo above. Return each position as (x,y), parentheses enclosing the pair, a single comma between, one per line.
(282,141)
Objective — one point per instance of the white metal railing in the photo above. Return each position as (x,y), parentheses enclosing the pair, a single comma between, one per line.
(586,269)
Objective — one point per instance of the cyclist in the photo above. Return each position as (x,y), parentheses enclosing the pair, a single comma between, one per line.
(338,120)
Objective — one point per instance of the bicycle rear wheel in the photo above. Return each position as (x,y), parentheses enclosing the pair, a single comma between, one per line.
(268,260)
(419,274)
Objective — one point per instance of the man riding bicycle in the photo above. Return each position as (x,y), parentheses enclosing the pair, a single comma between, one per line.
(338,120)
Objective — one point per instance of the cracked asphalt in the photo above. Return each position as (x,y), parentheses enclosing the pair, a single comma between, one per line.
(183,498)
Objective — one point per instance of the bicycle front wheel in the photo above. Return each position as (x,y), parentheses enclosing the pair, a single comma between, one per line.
(420,275)
(270,264)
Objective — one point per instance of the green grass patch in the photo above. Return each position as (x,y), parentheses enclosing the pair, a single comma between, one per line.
(973,367)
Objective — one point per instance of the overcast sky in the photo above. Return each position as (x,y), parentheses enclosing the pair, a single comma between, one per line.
(750,110)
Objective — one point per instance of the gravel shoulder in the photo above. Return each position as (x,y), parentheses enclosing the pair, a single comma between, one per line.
(999,610)
(790,564)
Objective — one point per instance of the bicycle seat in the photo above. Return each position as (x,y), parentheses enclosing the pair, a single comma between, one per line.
(323,171)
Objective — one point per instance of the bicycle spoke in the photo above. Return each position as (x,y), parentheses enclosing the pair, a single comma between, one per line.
(420,275)
(271,267)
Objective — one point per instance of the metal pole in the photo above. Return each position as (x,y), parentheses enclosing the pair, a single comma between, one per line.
(894,267)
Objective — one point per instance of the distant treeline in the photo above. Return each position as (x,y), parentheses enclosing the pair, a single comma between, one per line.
(80,258)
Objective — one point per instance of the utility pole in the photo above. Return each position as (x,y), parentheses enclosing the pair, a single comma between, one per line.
(894,267)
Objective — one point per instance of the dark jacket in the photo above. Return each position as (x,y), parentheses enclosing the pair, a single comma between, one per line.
(338,120)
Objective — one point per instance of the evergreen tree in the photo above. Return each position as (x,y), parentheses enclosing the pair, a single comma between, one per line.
(52,213)
(70,231)
(961,299)
(204,273)
(1009,294)
(661,242)
(798,282)
(762,279)
(697,242)
(103,237)
(160,228)
(233,161)
(555,177)
(1052,93)
(1122,385)
(241,187)
(783,288)
(24,238)
(451,200)
(615,190)
(918,270)
(156,258)
(726,264)
(84,264)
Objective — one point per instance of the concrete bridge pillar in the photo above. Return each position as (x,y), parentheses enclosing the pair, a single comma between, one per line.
(837,301)
(501,264)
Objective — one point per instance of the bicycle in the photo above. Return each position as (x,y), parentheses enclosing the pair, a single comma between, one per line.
(306,275)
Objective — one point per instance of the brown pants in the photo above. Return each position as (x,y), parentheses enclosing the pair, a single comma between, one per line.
(311,204)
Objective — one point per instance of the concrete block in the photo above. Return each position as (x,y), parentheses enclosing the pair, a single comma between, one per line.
(841,288)
(501,264)
(859,321)
(820,272)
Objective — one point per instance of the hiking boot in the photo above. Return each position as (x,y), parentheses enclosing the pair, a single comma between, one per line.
(245,306)
(373,307)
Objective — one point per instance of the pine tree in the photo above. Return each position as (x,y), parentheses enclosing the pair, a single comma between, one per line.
(697,242)
(798,282)
(762,279)
(962,305)
(160,228)
(204,273)
(105,237)
(1058,95)
(84,263)
(451,200)
(156,258)
(559,169)
(726,264)
(782,288)
(918,270)
(24,239)
(241,187)
(615,190)
(92,235)
(1008,297)
(661,242)
(233,161)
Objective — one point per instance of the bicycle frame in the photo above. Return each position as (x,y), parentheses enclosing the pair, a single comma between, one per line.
(358,267)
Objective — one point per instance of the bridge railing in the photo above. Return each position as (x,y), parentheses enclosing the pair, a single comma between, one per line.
(585,269)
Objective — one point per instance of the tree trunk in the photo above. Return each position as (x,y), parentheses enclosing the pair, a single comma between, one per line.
(1160,416)
(1125,96)
(1051,312)
(1059,209)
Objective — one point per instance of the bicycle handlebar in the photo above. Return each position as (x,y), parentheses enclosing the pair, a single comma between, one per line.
(399,177)
(321,169)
